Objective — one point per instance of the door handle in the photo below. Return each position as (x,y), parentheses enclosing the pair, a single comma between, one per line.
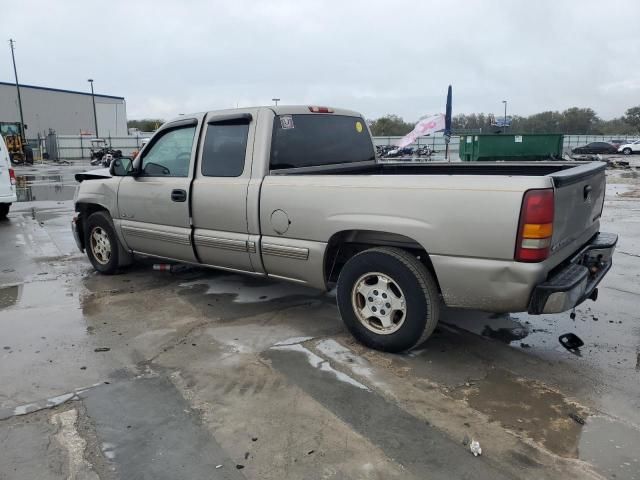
(178,195)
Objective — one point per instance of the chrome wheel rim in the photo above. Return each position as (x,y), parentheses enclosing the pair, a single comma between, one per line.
(100,245)
(379,303)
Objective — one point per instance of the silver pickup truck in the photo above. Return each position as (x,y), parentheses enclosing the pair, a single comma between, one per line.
(295,193)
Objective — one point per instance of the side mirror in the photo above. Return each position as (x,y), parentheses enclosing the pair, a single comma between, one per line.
(121,167)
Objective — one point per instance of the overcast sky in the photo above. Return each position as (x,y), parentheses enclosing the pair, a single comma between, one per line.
(170,56)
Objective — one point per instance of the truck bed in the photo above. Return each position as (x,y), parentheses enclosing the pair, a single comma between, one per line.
(562,172)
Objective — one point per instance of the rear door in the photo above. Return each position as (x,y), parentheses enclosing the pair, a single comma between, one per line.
(219,192)
(154,207)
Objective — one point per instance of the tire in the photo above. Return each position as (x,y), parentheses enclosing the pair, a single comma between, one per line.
(410,288)
(627,151)
(101,243)
(4,210)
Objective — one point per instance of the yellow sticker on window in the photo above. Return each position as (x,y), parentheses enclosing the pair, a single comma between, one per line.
(359,127)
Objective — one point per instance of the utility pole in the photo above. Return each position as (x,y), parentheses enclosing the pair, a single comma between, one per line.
(505,115)
(276,100)
(93,99)
(15,72)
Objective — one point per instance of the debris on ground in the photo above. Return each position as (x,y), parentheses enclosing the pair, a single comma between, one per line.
(171,267)
(101,349)
(218,466)
(475,448)
(614,163)
(239,466)
(570,341)
(466,440)
(577,418)
(525,345)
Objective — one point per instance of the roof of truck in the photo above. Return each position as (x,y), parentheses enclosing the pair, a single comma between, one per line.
(278,110)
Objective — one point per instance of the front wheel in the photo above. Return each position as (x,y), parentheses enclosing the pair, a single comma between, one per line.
(627,151)
(101,243)
(388,299)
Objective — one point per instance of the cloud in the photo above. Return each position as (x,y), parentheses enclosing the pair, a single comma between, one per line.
(374,56)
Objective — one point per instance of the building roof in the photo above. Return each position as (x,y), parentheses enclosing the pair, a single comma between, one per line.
(22,85)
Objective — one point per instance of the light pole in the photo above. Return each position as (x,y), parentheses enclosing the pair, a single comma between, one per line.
(93,99)
(276,100)
(15,72)
(505,114)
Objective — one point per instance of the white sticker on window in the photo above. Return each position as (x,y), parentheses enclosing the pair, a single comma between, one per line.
(518,138)
(286,121)
(469,139)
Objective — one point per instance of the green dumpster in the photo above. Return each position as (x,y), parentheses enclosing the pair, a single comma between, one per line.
(525,146)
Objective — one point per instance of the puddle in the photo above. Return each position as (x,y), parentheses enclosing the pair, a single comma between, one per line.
(528,408)
(249,290)
(614,448)
(9,295)
(44,187)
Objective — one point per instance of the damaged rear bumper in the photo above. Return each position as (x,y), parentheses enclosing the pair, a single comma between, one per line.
(577,280)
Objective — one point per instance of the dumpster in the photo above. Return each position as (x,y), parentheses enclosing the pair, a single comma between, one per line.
(525,146)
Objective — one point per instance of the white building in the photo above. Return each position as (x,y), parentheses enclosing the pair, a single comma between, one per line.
(64,111)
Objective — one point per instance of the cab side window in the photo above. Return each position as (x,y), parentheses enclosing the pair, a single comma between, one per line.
(170,155)
(224,150)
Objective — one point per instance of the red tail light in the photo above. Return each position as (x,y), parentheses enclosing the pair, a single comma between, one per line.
(536,226)
(320,110)
(12,176)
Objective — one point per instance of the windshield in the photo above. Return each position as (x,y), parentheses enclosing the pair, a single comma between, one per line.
(315,139)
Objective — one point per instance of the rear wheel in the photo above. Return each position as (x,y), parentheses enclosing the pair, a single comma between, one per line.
(101,243)
(388,299)
(627,151)
(4,210)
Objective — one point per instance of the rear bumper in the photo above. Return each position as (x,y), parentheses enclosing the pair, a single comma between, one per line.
(8,198)
(577,280)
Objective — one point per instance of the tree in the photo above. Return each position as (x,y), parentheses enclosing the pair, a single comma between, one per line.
(632,117)
(145,124)
(390,126)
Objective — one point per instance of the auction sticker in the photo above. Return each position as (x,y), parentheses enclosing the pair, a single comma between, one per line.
(359,127)
(286,121)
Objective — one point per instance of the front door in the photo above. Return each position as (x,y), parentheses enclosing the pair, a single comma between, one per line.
(154,206)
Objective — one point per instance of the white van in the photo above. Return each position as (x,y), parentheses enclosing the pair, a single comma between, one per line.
(7,181)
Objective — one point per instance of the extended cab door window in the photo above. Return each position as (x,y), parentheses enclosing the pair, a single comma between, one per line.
(170,155)
(224,149)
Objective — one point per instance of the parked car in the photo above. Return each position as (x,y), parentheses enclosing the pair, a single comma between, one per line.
(629,148)
(295,193)
(595,148)
(7,181)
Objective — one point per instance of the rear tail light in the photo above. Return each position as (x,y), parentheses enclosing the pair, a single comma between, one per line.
(12,176)
(320,110)
(536,226)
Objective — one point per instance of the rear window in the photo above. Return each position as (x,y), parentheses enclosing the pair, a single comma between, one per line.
(317,139)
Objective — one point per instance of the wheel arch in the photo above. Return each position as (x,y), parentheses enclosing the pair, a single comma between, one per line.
(346,243)
(85,209)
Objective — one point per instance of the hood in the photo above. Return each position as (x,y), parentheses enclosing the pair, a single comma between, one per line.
(96,174)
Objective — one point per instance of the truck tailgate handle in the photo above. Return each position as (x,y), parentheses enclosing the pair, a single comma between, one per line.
(178,195)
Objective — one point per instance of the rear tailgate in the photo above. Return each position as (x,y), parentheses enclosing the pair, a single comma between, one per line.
(579,196)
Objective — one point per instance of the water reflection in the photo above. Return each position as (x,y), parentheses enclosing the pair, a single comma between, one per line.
(44,187)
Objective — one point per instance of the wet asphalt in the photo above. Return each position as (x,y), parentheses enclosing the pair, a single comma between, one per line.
(204,374)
